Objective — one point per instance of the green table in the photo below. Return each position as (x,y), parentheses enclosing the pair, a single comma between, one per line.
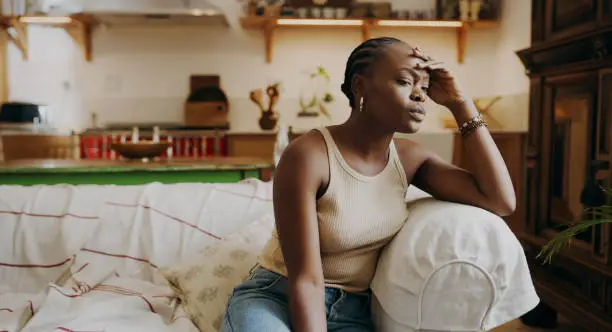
(101,172)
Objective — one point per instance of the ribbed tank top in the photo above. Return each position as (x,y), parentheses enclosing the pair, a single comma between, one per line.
(357,216)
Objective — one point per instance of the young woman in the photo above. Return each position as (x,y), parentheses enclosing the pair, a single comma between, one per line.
(339,193)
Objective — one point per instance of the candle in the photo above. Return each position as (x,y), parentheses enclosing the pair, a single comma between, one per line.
(135,135)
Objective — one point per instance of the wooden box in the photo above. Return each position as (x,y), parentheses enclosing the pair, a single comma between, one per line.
(204,114)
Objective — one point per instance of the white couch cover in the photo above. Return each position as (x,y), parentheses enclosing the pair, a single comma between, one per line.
(452,267)
(84,258)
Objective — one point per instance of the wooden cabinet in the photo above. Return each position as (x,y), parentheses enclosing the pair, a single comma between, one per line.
(260,145)
(257,145)
(24,146)
(568,154)
(562,19)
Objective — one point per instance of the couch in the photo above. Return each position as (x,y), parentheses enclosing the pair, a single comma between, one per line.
(106,258)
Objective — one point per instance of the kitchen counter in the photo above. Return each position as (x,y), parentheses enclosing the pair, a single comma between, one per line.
(54,171)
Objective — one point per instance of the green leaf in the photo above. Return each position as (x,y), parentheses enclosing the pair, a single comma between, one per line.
(565,238)
(593,216)
(324,73)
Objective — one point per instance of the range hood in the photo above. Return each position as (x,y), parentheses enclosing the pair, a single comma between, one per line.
(145,12)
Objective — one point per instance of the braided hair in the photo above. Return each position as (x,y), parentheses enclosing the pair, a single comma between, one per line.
(361,59)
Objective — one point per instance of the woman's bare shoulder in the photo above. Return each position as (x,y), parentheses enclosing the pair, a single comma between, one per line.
(308,145)
(304,163)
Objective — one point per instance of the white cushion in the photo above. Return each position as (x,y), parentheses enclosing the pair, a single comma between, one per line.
(452,267)
(205,282)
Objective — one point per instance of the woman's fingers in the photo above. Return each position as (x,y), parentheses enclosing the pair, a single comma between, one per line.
(432,65)
(436,67)
(429,63)
(417,52)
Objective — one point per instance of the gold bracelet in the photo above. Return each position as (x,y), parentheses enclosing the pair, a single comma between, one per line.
(477,117)
(471,125)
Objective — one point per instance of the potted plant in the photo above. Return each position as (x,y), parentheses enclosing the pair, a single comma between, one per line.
(318,94)
(600,214)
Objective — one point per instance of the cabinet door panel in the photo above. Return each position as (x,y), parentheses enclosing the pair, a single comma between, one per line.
(537,20)
(533,156)
(604,134)
(569,140)
(569,17)
(535,114)
(602,249)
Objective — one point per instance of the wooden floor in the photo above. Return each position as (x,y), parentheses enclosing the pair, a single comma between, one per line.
(564,326)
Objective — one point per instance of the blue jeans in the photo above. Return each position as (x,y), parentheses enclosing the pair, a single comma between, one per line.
(261,304)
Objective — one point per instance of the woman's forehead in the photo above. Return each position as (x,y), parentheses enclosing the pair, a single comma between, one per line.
(401,55)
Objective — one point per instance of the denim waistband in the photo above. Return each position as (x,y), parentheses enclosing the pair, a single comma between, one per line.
(334,292)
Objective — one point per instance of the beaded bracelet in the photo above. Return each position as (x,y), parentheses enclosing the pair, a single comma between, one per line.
(471,125)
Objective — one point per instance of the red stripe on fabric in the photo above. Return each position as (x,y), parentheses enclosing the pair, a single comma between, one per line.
(6,309)
(65,329)
(82,267)
(30,214)
(34,266)
(143,260)
(168,216)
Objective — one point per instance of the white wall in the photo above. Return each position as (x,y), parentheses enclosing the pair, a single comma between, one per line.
(142,74)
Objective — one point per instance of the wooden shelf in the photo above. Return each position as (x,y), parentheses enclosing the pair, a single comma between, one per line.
(79,27)
(269,24)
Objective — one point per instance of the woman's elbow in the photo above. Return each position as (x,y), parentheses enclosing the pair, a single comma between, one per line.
(504,207)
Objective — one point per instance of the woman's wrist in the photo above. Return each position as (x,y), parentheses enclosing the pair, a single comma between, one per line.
(463,111)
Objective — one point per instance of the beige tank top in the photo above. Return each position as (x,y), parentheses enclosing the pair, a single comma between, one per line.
(357,216)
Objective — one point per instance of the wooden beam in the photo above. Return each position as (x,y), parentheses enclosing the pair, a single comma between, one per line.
(19,35)
(81,32)
(461,41)
(269,27)
(365,31)
(4,88)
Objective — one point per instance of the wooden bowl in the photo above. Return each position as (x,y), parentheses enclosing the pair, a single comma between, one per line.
(140,150)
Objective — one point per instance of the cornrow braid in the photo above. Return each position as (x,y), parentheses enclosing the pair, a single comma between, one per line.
(361,59)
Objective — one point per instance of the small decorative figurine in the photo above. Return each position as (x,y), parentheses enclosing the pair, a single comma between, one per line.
(269,116)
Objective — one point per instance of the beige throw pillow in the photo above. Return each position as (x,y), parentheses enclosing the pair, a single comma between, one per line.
(205,282)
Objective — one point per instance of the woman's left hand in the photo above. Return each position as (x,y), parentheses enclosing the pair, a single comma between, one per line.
(443,86)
